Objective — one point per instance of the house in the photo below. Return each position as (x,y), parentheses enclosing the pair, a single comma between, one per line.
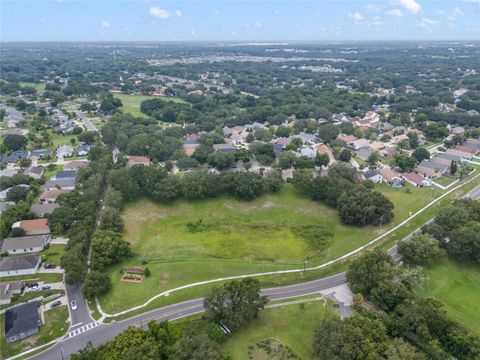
(64,151)
(42,210)
(19,265)
(22,321)
(431,169)
(277,149)
(357,144)
(307,138)
(462,154)
(323,149)
(35,172)
(63,184)
(25,244)
(229,148)
(388,152)
(373,175)
(33,227)
(364,153)
(51,196)
(285,141)
(4,193)
(466,149)
(474,145)
(391,177)
(8,289)
(64,175)
(138,160)
(400,138)
(9,172)
(346,138)
(415,179)
(83,150)
(41,154)
(4,205)
(449,157)
(75,165)
(190,146)
(308,151)
(16,156)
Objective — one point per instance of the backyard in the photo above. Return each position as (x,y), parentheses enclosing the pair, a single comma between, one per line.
(457,286)
(292,326)
(186,242)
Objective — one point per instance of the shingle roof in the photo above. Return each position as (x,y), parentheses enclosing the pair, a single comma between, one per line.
(20,319)
(23,242)
(10,263)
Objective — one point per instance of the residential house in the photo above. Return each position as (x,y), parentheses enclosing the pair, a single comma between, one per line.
(462,154)
(466,149)
(308,151)
(19,265)
(8,289)
(4,205)
(83,150)
(22,321)
(9,172)
(415,179)
(277,149)
(388,151)
(25,244)
(4,193)
(33,227)
(391,177)
(41,154)
(16,156)
(441,161)
(474,145)
(75,165)
(229,148)
(63,184)
(449,157)
(364,153)
(285,141)
(307,138)
(138,160)
(35,172)
(64,151)
(373,175)
(346,138)
(42,210)
(190,146)
(357,144)
(64,175)
(431,169)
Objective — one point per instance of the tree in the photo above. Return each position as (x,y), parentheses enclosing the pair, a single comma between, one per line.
(111,219)
(345,155)
(322,160)
(15,142)
(95,283)
(421,249)
(328,132)
(361,207)
(464,242)
(248,185)
(221,159)
(389,293)
(25,163)
(453,167)
(369,270)
(399,349)
(196,347)
(344,171)
(108,248)
(234,303)
(404,162)
(17,193)
(421,154)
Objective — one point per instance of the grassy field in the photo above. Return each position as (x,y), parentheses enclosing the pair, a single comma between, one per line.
(457,286)
(292,325)
(274,232)
(444,180)
(55,326)
(47,277)
(131,103)
(53,254)
(40,87)
(29,295)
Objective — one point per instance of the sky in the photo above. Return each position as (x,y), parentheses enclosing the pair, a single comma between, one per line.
(238,20)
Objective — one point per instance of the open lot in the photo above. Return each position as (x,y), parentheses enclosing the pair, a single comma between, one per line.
(274,232)
(457,286)
(131,103)
(55,326)
(292,325)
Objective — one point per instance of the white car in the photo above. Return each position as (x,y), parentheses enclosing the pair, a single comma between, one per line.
(73,305)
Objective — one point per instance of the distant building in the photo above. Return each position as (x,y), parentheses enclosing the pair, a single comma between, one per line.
(64,151)
(22,321)
(25,244)
(42,210)
(33,227)
(8,289)
(138,160)
(373,175)
(19,265)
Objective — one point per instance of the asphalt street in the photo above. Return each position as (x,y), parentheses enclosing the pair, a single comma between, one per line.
(100,333)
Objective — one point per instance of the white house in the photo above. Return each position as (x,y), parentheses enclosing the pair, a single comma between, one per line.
(25,244)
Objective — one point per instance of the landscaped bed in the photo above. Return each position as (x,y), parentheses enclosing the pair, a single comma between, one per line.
(186,242)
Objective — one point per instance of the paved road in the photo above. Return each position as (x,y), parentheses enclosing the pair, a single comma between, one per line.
(98,334)
(88,123)
(81,316)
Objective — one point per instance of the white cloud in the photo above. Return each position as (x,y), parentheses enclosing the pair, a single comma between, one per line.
(317,13)
(427,23)
(394,13)
(356,16)
(276,12)
(376,21)
(440,12)
(371,7)
(458,12)
(178,13)
(411,5)
(159,13)
(105,24)
(257,24)
(43,21)
(216,13)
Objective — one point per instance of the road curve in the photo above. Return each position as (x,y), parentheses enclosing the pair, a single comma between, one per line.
(105,332)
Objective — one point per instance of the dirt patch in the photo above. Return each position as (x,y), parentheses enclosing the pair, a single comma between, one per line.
(164,280)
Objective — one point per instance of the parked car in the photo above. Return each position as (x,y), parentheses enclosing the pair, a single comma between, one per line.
(73,305)
(49,266)
(55,304)
(33,286)
(46,287)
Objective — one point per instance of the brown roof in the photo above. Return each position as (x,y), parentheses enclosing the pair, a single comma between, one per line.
(139,160)
(417,179)
(322,148)
(53,194)
(75,164)
(465,149)
(388,174)
(35,227)
(347,138)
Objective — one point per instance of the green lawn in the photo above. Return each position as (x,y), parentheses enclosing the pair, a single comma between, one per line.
(40,87)
(47,277)
(457,286)
(292,325)
(131,103)
(444,180)
(29,295)
(274,232)
(53,254)
(55,326)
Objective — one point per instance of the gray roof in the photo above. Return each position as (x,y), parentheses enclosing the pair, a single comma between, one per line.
(43,209)
(22,319)
(62,183)
(23,242)
(449,156)
(370,173)
(11,263)
(433,165)
(61,175)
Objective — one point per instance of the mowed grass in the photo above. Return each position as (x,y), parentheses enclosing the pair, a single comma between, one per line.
(293,325)
(236,238)
(457,286)
(131,103)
